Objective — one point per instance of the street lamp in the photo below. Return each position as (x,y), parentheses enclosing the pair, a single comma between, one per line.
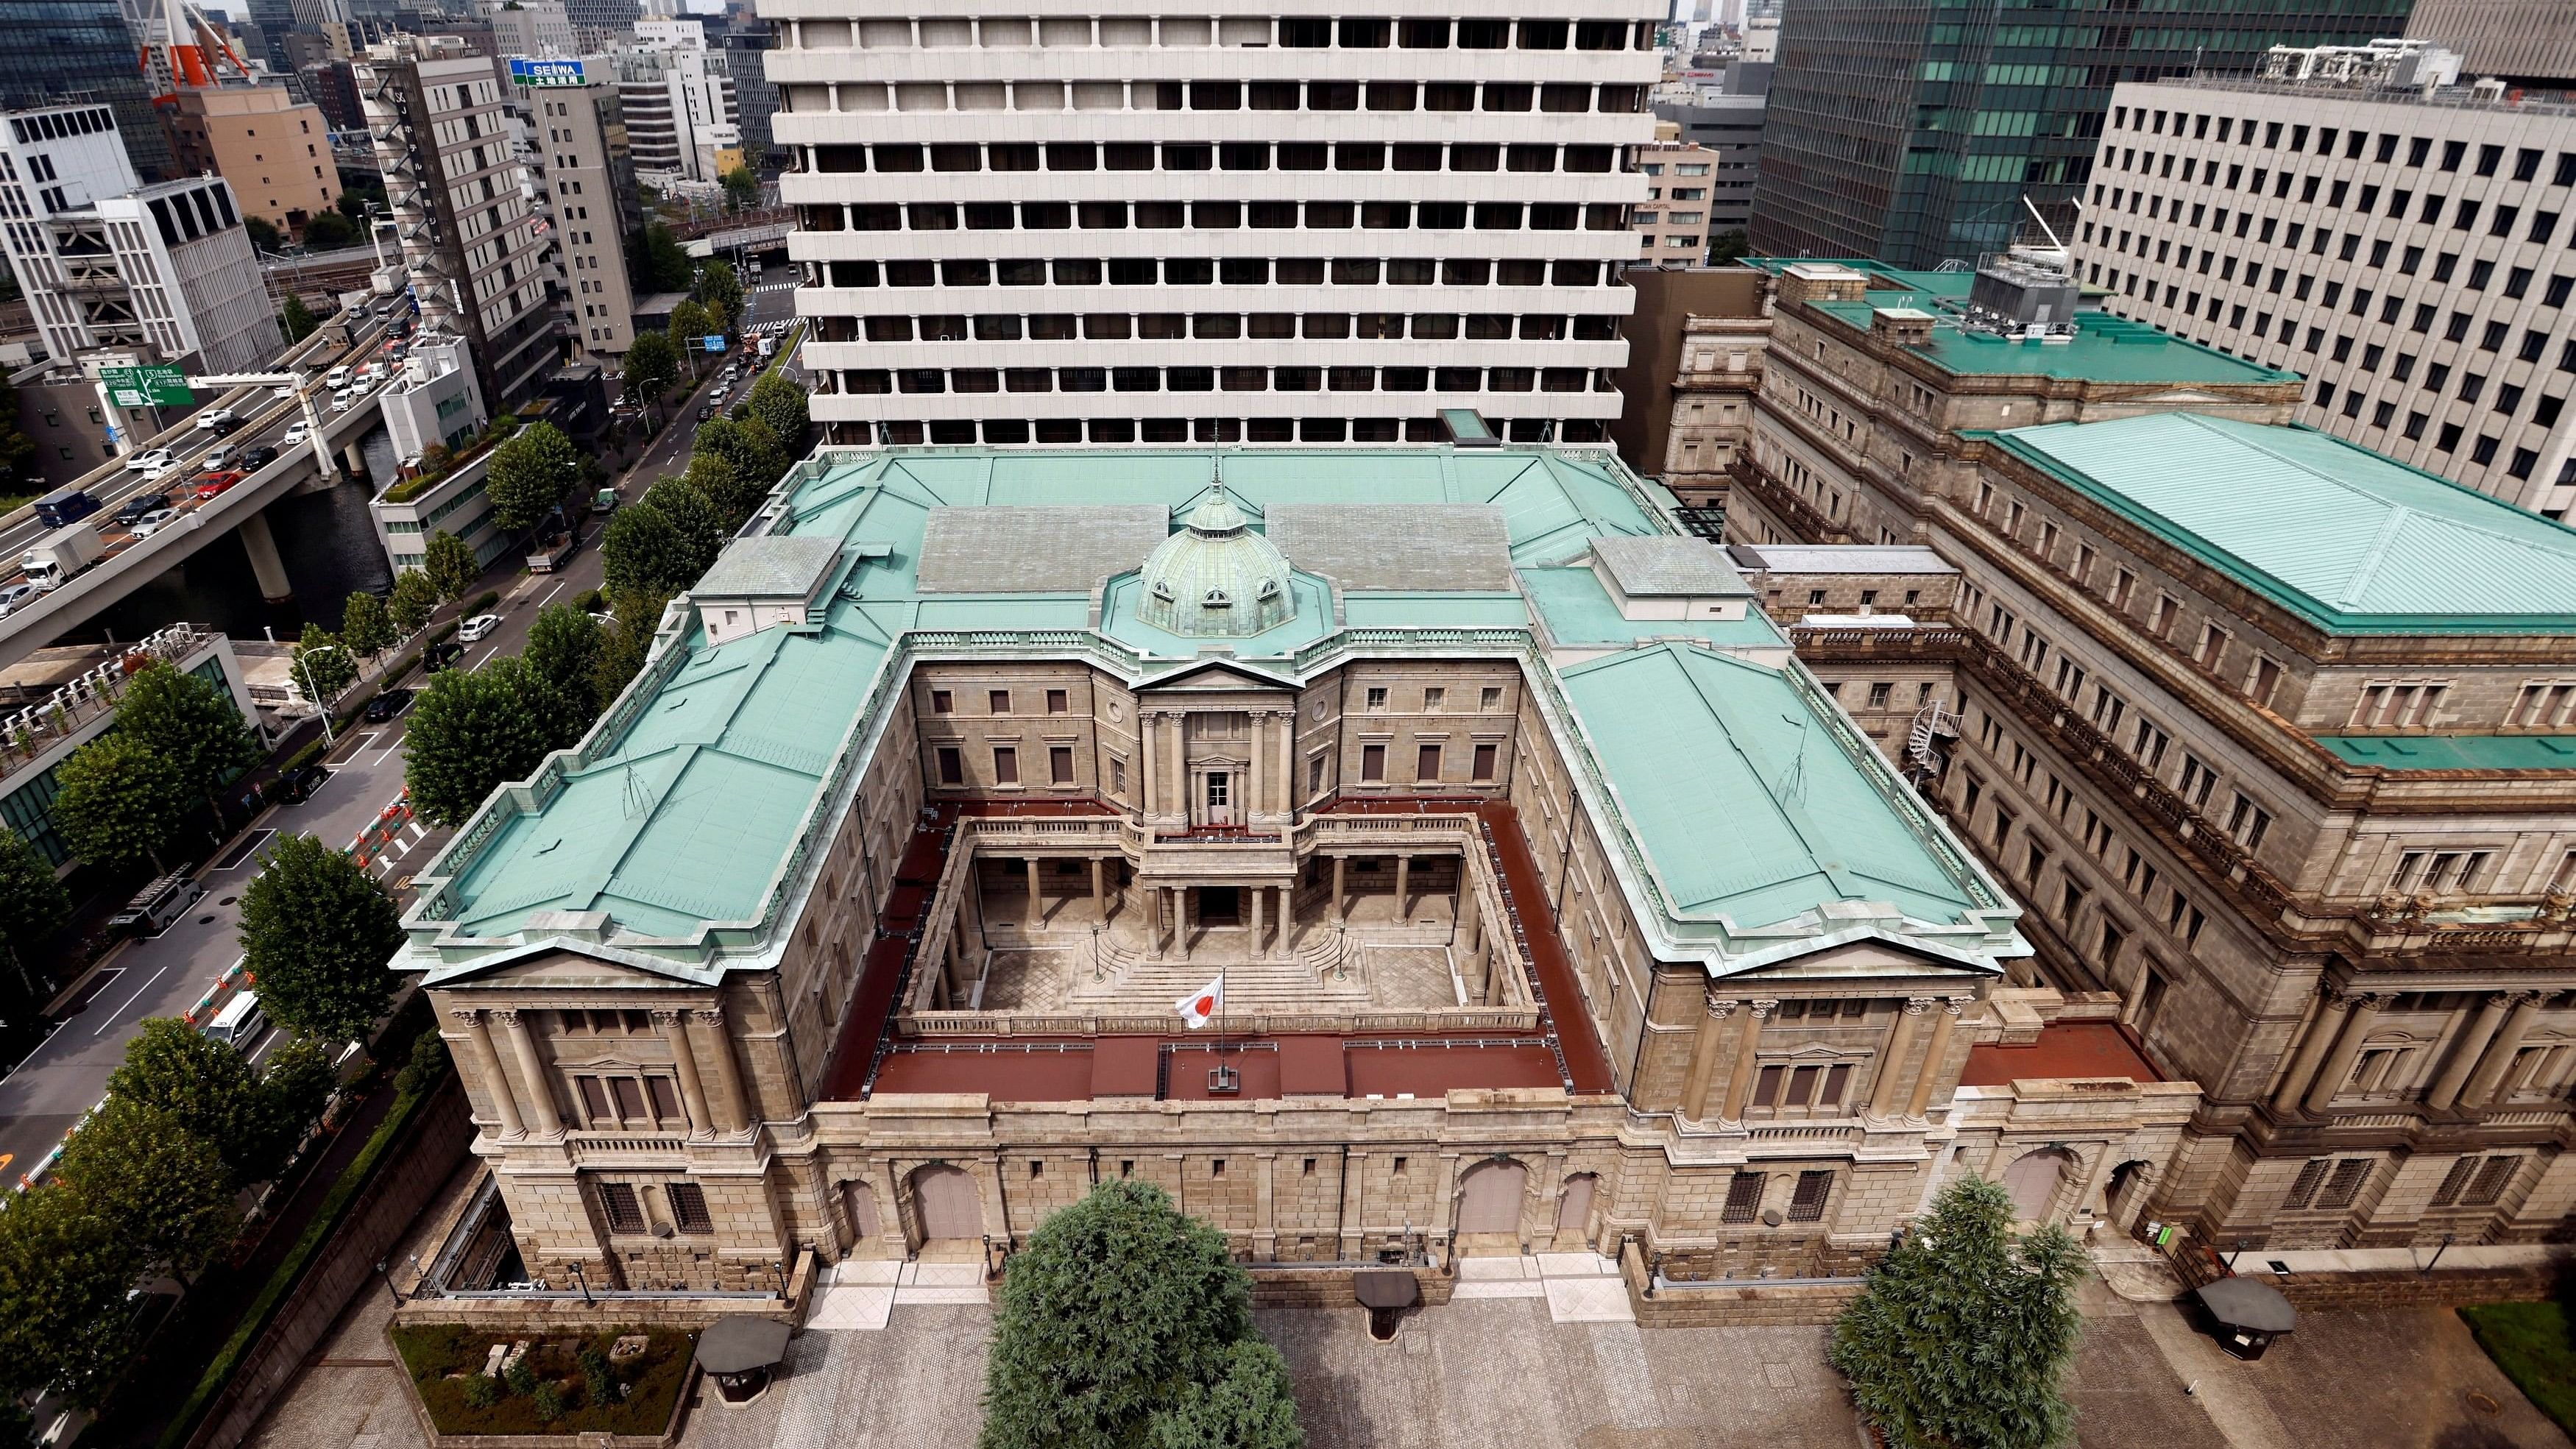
(329,742)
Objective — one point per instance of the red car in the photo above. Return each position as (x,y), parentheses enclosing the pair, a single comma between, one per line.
(214,483)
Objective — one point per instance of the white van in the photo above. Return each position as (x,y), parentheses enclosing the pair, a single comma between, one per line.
(340,399)
(157,905)
(239,1025)
(337,377)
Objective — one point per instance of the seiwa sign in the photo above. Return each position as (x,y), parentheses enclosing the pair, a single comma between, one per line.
(545,72)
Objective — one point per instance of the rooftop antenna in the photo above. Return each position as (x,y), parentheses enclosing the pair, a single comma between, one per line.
(637,801)
(1793,786)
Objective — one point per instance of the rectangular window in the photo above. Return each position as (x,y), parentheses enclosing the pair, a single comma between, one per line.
(594,1099)
(2454,1181)
(999,701)
(629,1094)
(1060,764)
(1484,762)
(1743,1197)
(1057,701)
(2490,1182)
(942,703)
(2345,1184)
(1006,765)
(1807,1204)
(1372,764)
(1426,766)
(689,1207)
(1376,699)
(617,1203)
(952,766)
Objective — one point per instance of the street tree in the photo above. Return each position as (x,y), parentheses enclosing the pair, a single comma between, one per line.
(748,445)
(735,495)
(667,266)
(652,365)
(33,906)
(688,329)
(191,722)
(470,732)
(643,550)
(779,405)
(321,665)
(628,641)
(1964,1332)
(564,645)
(316,930)
(530,474)
(164,1187)
(742,188)
(365,626)
(414,599)
(719,289)
(210,1090)
(19,474)
(329,230)
(701,524)
(262,232)
(297,318)
(119,801)
(451,566)
(64,1275)
(1120,1310)
(295,1084)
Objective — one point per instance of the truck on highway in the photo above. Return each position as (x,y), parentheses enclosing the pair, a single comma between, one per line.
(549,553)
(57,557)
(65,508)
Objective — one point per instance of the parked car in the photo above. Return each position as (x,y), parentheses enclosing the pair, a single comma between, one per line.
(213,418)
(139,505)
(155,521)
(297,785)
(258,458)
(297,433)
(386,705)
(439,656)
(478,628)
(147,461)
(14,595)
(214,483)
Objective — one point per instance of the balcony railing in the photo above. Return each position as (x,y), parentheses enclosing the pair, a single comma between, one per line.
(1773,492)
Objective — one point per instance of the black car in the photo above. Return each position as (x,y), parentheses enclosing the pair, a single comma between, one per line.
(296,786)
(387,704)
(258,458)
(228,427)
(139,505)
(440,655)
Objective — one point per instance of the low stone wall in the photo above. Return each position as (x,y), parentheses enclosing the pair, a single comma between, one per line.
(2398,1288)
(1331,1287)
(1731,1303)
(556,1313)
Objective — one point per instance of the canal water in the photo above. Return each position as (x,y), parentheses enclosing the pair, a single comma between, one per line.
(330,549)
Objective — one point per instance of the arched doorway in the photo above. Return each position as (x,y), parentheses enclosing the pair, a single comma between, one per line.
(1574,1211)
(2125,1194)
(1489,1207)
(946,1206)
(861,1207)
(2033,1181)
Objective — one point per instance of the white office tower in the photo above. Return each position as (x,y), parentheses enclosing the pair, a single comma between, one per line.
(678,101)
(1061,228)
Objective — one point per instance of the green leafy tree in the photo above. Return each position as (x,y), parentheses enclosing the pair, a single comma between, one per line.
(365,626)
(564,645)
(451,566)
(190,720)
(666,264)
(414,599)
(295,1084)
(1728,246)
(701,523)
(329,230)
(1247,1406)
(719,289)
(33,906)
(471,732)
(209,1089)
(263,232)
(64,1274)
(742,188)
(779,405)
(297,319)
(164,1187)
(1963,1335)
(735,495)
(530,474)
(119,801)
(628,642)
(643,550)
(652,365)
(322,665)
(316,931)
(688,329)
(1121,1310)
(748,445)
(19,473)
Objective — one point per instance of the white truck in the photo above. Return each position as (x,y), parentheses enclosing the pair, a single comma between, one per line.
(57,557)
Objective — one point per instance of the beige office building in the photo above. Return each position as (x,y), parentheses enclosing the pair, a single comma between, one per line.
(275,150)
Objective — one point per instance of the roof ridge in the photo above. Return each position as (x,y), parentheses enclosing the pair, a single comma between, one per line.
(2364,572)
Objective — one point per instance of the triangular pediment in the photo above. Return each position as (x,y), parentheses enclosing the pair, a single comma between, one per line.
(557,964)
(1214,677)
(1870,956)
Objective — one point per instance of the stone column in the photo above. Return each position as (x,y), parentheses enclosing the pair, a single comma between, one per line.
(1181,919)
(1288,919)
(1403,891)
(2312,1049)
(956,976)
(2468,1051)
(1748,1042)
(1099,896)
(1153,921)
(2499,1053)
(693,1090)
(1147,758)
(1945,1019)
(1257,894)
(1338,913)
(487,1065)
(1703,1062)
(1037,901)
(733,1109)
(1255,776)
(2338,1065)
(1891,1064)
(1180,766)
(541,1116)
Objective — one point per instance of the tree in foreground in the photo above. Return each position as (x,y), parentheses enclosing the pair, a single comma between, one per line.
(64,1274)
(563,654)
(1963,1335)
(316,931)
(167,1189)
(450,565)
(530,474)
(701,523)
(652,365)
(470,732)
(33,906)
(1125,1323)
(297,318)
(780,406)
(210,1092)
(625,645)
(323,667)
(120,801)
(643,550)
(364,625)
(414,599)
(192,722)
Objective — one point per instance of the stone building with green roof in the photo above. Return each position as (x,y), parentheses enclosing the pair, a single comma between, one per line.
(2274,736)
(1538,894)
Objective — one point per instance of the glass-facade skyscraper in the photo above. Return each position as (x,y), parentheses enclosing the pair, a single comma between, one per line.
(1911,130)
(65,50)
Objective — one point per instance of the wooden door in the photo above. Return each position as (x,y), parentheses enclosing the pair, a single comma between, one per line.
(947,1205)
(1489,1198)
(2032,1181)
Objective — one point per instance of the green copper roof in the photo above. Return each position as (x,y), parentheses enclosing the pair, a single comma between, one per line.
(2349,540)
(2456,752)
(686,818)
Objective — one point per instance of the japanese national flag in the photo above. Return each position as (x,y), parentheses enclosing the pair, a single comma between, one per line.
(1200,1005)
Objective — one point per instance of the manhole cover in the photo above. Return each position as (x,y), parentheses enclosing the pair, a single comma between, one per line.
(2483,1404)
(226,901)
(205,920)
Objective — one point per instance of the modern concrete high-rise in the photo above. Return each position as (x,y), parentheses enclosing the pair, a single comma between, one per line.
(2526,43)
(82,50)
(589,185)
(1728,127)
(678,99)
(275,150)
(533,27)
(2412,254)
(1898,132)
(744,41)
(163,270)
(1221,227)
(464,208)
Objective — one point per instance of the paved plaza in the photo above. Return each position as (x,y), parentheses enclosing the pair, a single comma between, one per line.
(1497,1368)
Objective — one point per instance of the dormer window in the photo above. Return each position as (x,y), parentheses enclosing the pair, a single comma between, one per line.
(1162,591)
(1215,599)
(1269,590)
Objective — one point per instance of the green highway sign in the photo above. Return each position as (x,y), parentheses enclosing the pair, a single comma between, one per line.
(137,387)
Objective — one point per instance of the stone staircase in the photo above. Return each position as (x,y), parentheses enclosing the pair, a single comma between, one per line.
(1251,987)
